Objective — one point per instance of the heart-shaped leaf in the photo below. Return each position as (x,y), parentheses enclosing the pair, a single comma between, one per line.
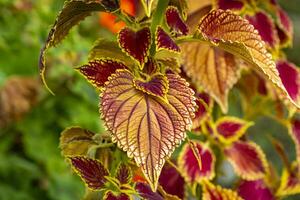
(164,41)
(124,174)
(250,190)
(248,160)
(230,129)
(175,21)
(188,163)
(72,13)
(136,43)
(91,171)
(75,141)
(109,195)
(98,71)
(236,35)
(145,126)
(216,192)
(212,68)
(158,85)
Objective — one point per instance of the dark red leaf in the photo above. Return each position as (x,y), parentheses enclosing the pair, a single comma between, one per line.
(164,41)
(136,43)
(98,71)
(175,22)
(250,190)
(111,196)
(91,171)
(146,193)
(230,4)
(295,134)
(204,103)
(124,173)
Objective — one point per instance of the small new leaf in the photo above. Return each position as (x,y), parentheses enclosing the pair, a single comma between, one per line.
(164,41)
(175,21)
(123,174)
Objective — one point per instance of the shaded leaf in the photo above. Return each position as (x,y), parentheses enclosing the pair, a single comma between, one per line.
(123,173)
(147,6)
(91,171)
(216,192)
(109,195)
(175,21)
(230,129)
(189,165)
(250,190)
(285,25)
(98,71)
(204,104)
(76,141)
(136,44)
(229,4)
(294,130)
(72,13)
(212,68)
(237,36)
(145,126)
(290,181)
(146,193)
(164,41)
(181,5)
(248,160)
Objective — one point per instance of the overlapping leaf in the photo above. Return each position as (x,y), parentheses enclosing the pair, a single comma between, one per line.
(295,134)
(230,129)
(216,192)
(164,41)
(175,22)
(109,195)
(290,181)
(147,6)
(248,160)
(236,35)
(146,193)
(285,26)
(229,4)
(212,68)
(123,174)
(145,126)
(91,171)
(136,44)
(98,71)
(257,189)
(75,141)
(189,165)
(204,104)
(72,13)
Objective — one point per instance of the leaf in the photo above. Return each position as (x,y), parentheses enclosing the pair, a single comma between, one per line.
(237,36)
(248,160)
(145,126)
(266,28)
(294,131)
(204,104)
(146,193)
(229,4)
(136,44)
(109,195)
(157,85)
(216,192)
(285,25)
(230,129)
(290,76)
(164,41)
(212,68)
(290,181)
(250,190)
(106,49)
(91,171)
(123,173)
(76,141)
(72,13)
(181,5)
(189,166)
(98,71)
(147,4)
(175,22)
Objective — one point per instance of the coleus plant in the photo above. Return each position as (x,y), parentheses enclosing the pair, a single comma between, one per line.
(158,80)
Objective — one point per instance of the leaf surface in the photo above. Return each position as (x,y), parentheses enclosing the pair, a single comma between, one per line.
(216,192)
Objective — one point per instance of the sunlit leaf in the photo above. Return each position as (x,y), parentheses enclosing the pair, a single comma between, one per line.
(216,192)
(98,71)
(236,35)
(175,21)
(123,173)
(266,28)
(250,190)
(248,160)
(147,6)
(212,68)
(164,41)
(230,129)
(136,44)
(76,141)
(158,85)
(145,126)
(290,181)
(290,76)
(91,171)
(204,104)
(72,13)
(109,195)
(189,165)
(229,4)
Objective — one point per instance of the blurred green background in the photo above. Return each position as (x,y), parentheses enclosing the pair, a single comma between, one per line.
(31,166)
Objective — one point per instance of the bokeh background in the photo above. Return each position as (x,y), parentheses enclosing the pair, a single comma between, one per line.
(31,119)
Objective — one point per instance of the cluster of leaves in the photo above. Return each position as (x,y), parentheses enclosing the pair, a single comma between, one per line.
(168,73)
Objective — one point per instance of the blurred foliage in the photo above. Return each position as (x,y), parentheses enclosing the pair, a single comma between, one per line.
(31,166)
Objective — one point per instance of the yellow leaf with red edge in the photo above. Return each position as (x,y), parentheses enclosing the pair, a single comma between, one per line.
(212,68)
(232,33)
(216,192)
(145,125)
